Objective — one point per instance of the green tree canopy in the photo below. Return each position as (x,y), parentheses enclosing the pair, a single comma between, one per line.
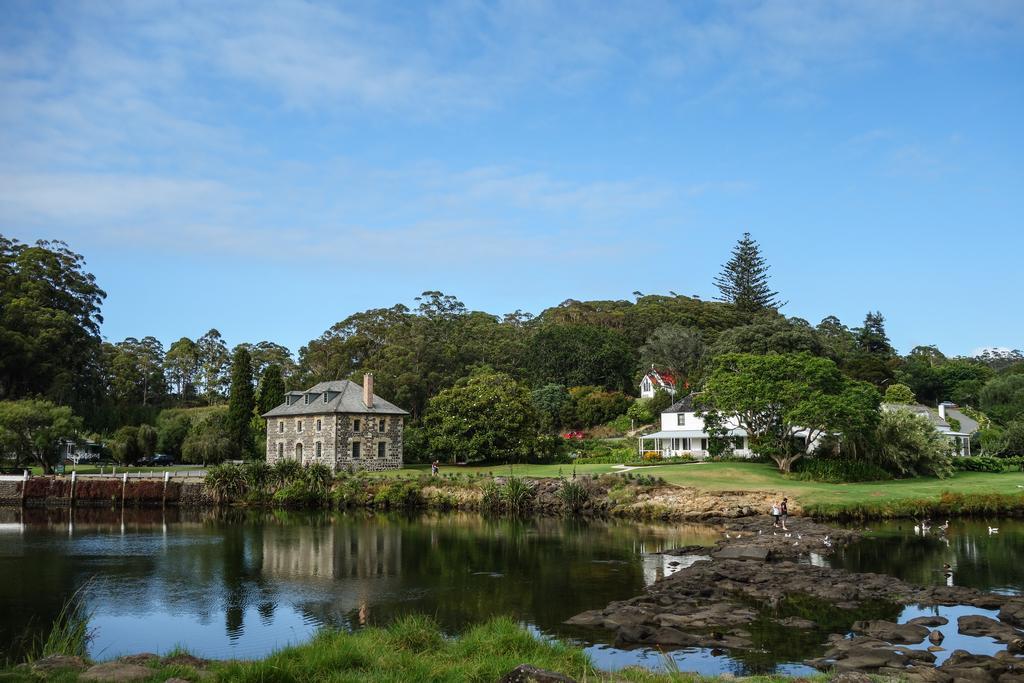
(49,323)
(908,445)
(31,431)
(181,364)
(582,355)
(785,402)
(487,416)
(241,402)
(549,401)
(899,393)
(743,281)
(270,392)
(676,348)
(770,335)
(1002,398)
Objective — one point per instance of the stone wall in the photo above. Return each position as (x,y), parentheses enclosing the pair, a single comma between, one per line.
(336,436)
(308,437)
(369,436)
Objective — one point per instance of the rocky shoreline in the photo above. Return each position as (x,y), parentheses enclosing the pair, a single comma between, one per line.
(751,580)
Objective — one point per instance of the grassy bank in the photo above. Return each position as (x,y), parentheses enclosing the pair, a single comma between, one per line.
(963,494)
(411,649)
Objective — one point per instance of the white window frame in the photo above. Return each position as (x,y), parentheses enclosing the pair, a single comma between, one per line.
(680,419)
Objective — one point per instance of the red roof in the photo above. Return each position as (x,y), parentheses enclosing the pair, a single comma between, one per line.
(663,378)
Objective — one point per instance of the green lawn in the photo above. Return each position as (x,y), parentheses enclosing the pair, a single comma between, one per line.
(741,476)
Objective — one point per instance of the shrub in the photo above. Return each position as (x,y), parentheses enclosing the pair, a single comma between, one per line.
(258,475)
(399,494)
(979,463)
(574,495)
(652,456)
(227,481)
(837,471)
(491,500)
(286,471)
(908,445)
(517,495)
(299,493)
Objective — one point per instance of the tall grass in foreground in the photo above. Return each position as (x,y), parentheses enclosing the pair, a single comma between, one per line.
(70,634)
(415,649)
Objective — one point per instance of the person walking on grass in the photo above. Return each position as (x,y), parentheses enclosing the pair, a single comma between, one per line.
(775,514)
(784,512)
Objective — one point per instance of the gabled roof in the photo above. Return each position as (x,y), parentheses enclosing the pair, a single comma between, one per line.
(665,379)
(343,396)
(683,405)
(929,414)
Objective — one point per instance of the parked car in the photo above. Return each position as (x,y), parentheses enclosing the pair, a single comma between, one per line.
(574,435)
(158,460)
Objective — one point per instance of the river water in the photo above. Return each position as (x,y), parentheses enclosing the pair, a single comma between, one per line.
(240,585)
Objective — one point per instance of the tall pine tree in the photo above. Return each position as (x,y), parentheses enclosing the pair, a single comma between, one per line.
(271,389)
(744,279)
(241,402)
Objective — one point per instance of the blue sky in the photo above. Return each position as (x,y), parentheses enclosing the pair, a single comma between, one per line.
(269,169)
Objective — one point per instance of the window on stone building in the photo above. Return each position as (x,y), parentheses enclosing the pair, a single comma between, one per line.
(382,449)
(355,425)
(280,450)
(319,449)
(319,425)
(298,425)
(305,399)
(355,450)
(298,452)
(381,425)
(280,427)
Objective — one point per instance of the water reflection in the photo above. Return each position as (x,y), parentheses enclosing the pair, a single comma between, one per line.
(976,558)
(232,584)
(240,584)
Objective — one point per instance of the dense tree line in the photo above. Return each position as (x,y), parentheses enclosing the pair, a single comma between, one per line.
(579,362)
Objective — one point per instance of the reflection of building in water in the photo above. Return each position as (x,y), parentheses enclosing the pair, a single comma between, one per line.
(332,552)
(659,566)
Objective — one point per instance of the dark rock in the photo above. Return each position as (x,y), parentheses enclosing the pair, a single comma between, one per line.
(590,618)
(978,625)
(929,621)
(796,622)
(142,659)
(894,633)
(527,673)
(742,552)
(936,637)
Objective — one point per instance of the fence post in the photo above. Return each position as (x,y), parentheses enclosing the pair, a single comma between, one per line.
(74,477)
(124,485)
(24,485)
(167,476)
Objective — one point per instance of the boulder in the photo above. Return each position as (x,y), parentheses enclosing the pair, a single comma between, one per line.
(978,625)
(929,621)
(142,659)
(117,672)
(185,659)
(56,663)
(527,673)
(594,617)
(936,637)
(891,632)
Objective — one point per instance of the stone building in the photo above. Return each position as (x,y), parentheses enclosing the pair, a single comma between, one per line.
(339,424)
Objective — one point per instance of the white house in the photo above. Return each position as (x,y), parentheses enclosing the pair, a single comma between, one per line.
(655,380)
(683,433)
(961,438)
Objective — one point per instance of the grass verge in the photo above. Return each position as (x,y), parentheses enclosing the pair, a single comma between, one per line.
(411,649)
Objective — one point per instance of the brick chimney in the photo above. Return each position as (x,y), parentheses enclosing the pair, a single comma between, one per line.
(368,389)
